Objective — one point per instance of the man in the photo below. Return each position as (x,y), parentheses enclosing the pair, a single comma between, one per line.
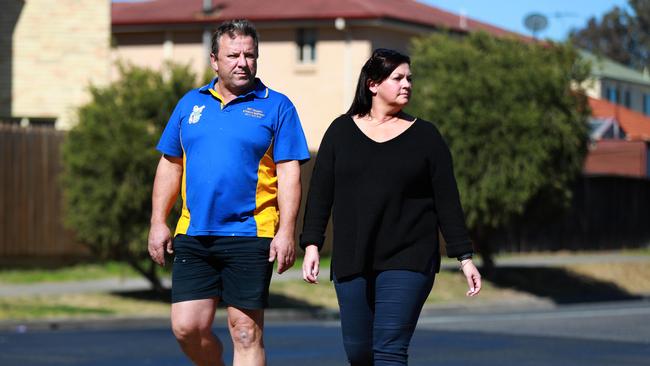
(233,149)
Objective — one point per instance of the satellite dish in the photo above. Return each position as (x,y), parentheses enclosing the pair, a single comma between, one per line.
(535,22)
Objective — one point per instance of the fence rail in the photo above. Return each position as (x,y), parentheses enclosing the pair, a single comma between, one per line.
(30,195)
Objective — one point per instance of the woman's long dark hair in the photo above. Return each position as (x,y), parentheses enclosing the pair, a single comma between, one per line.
(378,67)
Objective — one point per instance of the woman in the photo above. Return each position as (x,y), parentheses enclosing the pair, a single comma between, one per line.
(390,179)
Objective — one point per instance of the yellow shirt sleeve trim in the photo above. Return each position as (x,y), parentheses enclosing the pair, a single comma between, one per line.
(266,212)
(184,221)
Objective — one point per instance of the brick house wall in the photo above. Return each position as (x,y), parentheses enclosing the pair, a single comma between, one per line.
(58,48)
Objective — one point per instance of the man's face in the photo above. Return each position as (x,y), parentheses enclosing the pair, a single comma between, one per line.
(236,63)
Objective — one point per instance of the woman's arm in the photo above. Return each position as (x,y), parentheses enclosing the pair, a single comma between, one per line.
(451,217)
(318,207)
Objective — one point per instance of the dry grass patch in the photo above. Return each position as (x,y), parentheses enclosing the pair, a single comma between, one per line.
(78,306)
(298,293)
(633,277)
(451,287)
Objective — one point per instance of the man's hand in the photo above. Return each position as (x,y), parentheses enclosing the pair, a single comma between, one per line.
(160,239)
(165,190)
(283,249)
(311,264)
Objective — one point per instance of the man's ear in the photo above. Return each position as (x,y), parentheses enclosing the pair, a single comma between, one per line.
(213,62)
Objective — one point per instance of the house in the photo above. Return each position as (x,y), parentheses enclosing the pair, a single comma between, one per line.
(619,98)
(620,141)
(310,50)
(618,83)
(52,54)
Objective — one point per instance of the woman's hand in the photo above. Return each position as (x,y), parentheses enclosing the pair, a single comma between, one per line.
(310,264)
(472,275)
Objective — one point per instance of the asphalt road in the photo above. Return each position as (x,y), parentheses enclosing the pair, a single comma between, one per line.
(607,334)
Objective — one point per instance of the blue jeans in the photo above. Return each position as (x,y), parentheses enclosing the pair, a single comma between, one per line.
(379,313)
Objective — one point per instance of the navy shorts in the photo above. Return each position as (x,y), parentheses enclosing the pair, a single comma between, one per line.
(235,269)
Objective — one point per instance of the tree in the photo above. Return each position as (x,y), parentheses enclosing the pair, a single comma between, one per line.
(619,35)
(642,10)
(516,129)
(109,162)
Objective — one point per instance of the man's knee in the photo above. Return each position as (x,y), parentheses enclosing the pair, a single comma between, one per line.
(189,331)
(192,320)
(245,333)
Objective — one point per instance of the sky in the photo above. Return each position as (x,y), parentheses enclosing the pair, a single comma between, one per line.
(509,14)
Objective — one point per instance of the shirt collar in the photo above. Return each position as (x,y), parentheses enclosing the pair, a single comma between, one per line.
(259,90)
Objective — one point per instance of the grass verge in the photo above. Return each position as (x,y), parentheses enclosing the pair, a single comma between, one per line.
(561,284)
(78,306)
(77,272)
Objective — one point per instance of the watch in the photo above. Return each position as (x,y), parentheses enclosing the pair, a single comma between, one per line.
(465,256)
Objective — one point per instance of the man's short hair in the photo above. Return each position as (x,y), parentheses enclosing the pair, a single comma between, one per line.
(234,28)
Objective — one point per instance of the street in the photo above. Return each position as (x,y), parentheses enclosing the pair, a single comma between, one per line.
(612,334)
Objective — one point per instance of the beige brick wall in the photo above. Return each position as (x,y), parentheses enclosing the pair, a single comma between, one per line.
(59,49)
(9,15)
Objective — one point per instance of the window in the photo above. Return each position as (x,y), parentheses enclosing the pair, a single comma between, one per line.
(628,99)
(646,107)
(306,43)
(612,94)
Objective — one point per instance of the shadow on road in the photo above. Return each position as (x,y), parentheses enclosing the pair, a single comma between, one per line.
(275,301)
(561,286)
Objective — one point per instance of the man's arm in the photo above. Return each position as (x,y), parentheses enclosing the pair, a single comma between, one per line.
(165,190)
(283,245)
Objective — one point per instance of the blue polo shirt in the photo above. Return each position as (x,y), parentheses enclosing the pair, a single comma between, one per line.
(229,185)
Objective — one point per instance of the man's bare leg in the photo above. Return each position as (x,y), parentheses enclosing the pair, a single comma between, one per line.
(246,329)
(192,326)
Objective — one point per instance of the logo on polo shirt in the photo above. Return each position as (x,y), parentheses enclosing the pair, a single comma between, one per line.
(252,112)
(196,114)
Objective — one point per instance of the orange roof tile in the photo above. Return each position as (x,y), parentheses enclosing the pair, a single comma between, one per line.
(635,124)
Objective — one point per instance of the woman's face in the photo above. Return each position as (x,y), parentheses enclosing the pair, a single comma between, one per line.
(395,90)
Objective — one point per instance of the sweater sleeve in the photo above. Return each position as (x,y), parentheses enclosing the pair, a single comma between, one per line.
(321,194)
(451,218)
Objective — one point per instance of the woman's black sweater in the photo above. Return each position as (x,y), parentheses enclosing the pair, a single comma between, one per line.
(389,200)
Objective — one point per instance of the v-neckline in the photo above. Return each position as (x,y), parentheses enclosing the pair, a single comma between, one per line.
(356,126)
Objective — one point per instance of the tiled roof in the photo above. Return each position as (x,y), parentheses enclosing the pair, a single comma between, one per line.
(617,157)
(635,124)
(190,11)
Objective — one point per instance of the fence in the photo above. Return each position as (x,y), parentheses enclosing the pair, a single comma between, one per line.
(607,212)
(30,195)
